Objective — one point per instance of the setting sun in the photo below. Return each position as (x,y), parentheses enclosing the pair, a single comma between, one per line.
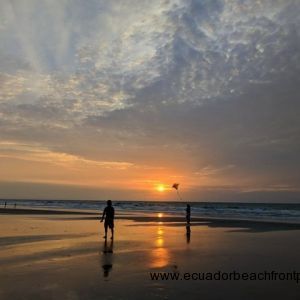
(160,188)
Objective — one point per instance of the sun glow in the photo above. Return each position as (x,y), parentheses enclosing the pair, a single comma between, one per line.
(160,188)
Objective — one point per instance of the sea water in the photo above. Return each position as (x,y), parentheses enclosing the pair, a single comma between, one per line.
(253,211)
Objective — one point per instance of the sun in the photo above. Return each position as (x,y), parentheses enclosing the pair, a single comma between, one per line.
(160,188)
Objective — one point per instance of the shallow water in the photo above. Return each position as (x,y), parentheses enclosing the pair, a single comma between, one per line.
(252,211)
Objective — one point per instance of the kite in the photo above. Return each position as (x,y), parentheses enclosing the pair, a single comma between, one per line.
(176,187)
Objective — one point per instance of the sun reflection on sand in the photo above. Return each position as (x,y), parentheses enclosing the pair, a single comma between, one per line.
(159,256)
(159,242)
(160,231)
(160,215)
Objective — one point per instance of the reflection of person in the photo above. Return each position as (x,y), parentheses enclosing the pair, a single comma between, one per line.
(188,234)
(188,223)
(108,217)
(107,257)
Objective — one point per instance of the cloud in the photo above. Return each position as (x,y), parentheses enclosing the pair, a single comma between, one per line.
(198,50)
(35,153)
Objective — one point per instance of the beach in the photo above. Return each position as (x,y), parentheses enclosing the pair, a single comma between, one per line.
(51,254)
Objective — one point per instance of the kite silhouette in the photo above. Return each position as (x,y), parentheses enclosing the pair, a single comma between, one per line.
(176,187)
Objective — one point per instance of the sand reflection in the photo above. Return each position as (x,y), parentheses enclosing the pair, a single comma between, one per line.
(159,255)
(107,257)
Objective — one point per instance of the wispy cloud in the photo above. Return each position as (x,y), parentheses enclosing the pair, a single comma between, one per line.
(37,153)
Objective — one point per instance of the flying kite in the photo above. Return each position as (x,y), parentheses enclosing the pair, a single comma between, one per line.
(176,187)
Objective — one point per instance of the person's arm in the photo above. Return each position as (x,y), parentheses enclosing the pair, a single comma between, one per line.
(104,212)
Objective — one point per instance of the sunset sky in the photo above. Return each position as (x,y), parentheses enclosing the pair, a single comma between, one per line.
(120,99)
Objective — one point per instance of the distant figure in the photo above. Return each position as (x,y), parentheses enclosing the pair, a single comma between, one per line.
(188,214)
(109,215)
(5,204)
(107,258)
(188,223)
(15,206)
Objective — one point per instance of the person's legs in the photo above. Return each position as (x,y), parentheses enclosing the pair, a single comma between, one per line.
(111,226)
(105,229)
(188,219)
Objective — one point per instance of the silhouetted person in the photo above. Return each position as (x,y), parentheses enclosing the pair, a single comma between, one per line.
(108,217)
(5,204)
(188,214)
(107,257)
(15,206)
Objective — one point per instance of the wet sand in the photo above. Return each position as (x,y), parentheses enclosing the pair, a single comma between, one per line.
(63,256)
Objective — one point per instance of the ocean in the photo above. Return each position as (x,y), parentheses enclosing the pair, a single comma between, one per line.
(250,211)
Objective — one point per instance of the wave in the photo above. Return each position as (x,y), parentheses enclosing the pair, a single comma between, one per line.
(253,211)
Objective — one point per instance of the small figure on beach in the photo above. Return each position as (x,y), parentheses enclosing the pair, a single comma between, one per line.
(15,206)
(108,217)
(188,223)
(5,204)
(188,214)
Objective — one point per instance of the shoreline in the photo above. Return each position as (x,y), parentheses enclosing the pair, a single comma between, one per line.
(166,219)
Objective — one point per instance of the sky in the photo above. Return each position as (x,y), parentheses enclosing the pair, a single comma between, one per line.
(120,99)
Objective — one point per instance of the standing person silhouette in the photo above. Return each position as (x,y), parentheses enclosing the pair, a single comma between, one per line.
(108,217)
(188,214)
(188,222)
